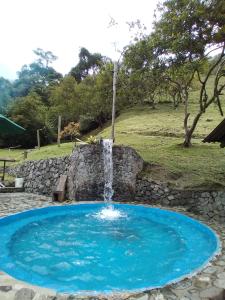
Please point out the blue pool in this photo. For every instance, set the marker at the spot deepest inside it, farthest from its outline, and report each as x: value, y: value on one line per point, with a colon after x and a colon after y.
x: 74, y: 249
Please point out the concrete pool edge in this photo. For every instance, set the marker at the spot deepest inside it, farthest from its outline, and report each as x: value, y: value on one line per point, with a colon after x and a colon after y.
x: 209, y: 283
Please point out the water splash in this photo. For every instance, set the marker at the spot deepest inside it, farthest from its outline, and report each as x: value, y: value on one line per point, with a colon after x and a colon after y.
x: 109, y: 213
x: 108, y: 170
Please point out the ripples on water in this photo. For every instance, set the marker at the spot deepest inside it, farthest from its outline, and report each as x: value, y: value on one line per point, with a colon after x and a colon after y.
x: 106, y: 249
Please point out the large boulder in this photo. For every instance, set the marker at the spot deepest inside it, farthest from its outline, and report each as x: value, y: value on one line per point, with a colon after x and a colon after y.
x: 86, y: 173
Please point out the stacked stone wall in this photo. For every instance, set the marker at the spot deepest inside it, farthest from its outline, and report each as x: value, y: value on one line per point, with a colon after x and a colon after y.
x: 210, y: 204
x: 41, y: 176
x: 86, y: 181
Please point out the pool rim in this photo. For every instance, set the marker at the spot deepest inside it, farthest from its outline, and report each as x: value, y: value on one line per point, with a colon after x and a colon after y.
x: 193, y: 273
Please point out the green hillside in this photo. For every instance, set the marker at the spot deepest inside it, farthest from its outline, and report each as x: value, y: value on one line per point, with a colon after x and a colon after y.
x: 157, y: 135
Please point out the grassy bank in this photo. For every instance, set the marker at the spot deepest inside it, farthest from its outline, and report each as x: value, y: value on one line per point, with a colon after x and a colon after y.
x: 157, y: 135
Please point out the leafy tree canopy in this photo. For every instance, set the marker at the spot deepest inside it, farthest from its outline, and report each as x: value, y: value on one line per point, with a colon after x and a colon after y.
x: 186, y: 29
x: 5, y: 94
x: 88, y: 64
x: 37, y: 76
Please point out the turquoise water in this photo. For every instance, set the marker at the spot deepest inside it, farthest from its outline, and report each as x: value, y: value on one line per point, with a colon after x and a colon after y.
x: 71, y: 250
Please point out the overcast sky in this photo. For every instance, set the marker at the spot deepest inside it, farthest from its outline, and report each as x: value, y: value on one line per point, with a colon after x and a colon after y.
x: 63, y: 26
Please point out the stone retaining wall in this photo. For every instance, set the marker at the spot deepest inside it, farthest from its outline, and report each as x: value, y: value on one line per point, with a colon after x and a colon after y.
x: 41, y: 176
x: 86, y: 181
x: 85, y: 172
x: 210, y: 204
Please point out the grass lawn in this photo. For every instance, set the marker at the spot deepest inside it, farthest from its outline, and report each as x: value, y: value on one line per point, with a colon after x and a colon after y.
x: 35, y: 154
x: 157, y: 135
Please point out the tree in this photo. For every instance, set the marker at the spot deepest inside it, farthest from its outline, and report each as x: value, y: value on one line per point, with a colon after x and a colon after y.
x: 38, y: 76
x: 88, y: 64
x: 65, y: 101
x: 145, y: 76
x: 5, y: 94
x: 186, y: 33
x: 45, y: 57
x: 30, y: 113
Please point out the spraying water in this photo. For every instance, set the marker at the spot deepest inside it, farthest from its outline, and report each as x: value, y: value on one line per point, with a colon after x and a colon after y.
x: 109, y: 212
x: 108, y: 170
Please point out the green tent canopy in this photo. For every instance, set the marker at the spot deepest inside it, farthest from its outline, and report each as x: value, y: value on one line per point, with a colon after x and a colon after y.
x: 8, y: 127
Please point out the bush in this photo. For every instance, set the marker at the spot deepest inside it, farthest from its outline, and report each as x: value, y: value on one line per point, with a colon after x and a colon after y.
x: 87, y: 123
x: 71, y: 131
x: 92, y: 140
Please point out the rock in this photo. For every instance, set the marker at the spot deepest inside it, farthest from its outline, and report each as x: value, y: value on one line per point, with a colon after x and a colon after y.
x: 86, y: 173
x: 211, y: 270
x: 61, y: 297
x: 157, y: 296
x: 141, y: 297
x: 5, y: 288
x: 201, y: 282
x: 212, y: 293
x: 24, y: 294
x: 182, y: 285
x: 7, y: 296
x: 220, y: 283
x: 221, y: 275
x: 220, y: 263
x: 43, y: 297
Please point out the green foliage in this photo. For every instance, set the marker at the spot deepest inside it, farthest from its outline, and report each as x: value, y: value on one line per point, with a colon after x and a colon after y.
x: 156, y: 135
x: 5, y: 94
x: 186, y: 28
x: 88, y: 102
x: 37, y: 77
x: 65, y: 101
x: 92, y: 140
x: 44, y: 57
x: 87, y: 123
x: 158, y: 142
x: 88, y: 64
x: 30, y: 113
x: 175, y: 56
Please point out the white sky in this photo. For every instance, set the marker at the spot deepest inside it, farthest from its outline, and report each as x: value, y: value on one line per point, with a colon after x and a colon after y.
x: 63, y: 26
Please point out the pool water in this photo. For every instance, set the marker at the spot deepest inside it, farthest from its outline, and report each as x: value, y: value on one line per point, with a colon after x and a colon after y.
x: 74, y: 249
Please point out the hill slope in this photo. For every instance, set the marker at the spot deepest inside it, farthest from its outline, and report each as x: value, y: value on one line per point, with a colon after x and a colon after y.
x: 157, y: 135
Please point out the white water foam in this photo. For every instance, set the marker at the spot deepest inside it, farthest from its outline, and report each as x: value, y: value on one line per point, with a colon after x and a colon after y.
x: 109, y: 213
x: 108, y: 169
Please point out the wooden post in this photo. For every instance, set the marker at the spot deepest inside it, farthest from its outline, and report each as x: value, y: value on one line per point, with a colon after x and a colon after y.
x: 25, y: 153
x: 3, y: 174
x: 114, y: 101
x: 59, y: 130
x: 38, y: 139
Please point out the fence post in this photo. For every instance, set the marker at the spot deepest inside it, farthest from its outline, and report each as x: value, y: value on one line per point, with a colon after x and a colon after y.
x: 59, y: 130
x: 114, y: 101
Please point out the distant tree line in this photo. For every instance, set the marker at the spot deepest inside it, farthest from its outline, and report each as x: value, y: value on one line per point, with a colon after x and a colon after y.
x: 184, y: 50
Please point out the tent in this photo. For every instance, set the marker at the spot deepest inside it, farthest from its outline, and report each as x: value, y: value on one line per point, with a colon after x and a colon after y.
x: 217, y: 135
x: 8, y: 127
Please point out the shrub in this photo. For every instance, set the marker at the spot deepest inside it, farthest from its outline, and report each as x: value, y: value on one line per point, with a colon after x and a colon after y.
x: 71, y: 131
x: 87, y: 123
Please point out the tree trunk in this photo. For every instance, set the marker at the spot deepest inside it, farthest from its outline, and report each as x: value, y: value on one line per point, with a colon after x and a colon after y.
x: 187, y: 135
x: 187, y: 140
x: 189, y: 132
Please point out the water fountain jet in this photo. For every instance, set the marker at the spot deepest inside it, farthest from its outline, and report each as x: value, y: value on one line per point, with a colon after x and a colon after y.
x: 108, y: 212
